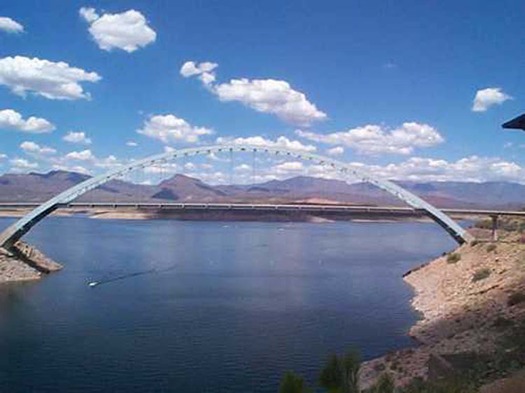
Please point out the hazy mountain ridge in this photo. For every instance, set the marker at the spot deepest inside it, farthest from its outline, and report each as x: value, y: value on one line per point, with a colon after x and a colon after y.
x: 35, y: 187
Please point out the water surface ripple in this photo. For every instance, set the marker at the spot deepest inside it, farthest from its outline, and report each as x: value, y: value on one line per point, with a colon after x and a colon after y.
x: 222, y: 307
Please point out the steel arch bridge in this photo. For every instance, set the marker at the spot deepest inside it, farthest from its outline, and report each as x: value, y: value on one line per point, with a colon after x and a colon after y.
x: 14, y: 232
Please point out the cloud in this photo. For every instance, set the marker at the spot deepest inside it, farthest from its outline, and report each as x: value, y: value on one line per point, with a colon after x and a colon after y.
x: 281, y: 142
x: 419, y: 169
x: 376, y: 139
x: 204, y: 71
x: 45, y: 158
x: 468, y: 169
x: 84, y: 155
x: 56, y: 81
x: 131, y: 144
x: 170, y: 128
x: 12, y: 120
x: 89, y: 14
x: 272, y: 96
x: 77, y: 137
x: 335, y: 151
x: 72, y: 168
x: 35, y: 149
x: 128, y: 30
x: 22, y: 165
x: 189, y: 166
x: 485, y: 98
x: 162, y: 168
x: 243, y: 168
x: 90, y: 162
x: 288, y: 166
x: 10, y: 26
x: 107, y: 163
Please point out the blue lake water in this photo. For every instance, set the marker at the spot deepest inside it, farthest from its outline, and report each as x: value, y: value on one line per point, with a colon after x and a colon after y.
x: 222, y: 307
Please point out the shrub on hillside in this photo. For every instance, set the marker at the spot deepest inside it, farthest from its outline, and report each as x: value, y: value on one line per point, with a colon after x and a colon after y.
x: 453, y: 258
x: 292, y: 383
x: 480, y: 274
x: 491, y: 247
x: 385, y: 384
x: 340, y: 374
x: 516, y: 298
x: 484, y: 224
x: 507, y: 224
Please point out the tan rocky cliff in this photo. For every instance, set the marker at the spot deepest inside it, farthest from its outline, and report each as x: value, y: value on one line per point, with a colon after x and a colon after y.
x: 468, y: 300
x: 25, y: 263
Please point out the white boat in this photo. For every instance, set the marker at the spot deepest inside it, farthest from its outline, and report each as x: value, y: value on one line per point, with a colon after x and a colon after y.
x: 93, y: 284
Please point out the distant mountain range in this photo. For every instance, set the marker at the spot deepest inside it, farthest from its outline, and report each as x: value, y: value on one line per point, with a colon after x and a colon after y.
x: 36, y: 187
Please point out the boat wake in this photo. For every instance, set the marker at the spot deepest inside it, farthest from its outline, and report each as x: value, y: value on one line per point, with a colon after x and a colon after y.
x: 93, y: 284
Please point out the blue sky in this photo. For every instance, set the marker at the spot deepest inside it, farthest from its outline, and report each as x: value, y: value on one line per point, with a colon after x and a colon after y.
x: 389, y: 86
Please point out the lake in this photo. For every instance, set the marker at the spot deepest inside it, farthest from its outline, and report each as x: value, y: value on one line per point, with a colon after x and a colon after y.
x: 206, y: 306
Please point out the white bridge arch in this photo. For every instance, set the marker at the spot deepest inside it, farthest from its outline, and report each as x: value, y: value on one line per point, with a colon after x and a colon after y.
x: 14, y: 232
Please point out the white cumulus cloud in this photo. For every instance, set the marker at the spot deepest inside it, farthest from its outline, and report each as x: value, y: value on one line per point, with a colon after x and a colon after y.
x: 376, y: 139
x: 419, y: 169
x: 128, y: 30
x: 72, y: 168
x: 272, y: 96
x: 53, y: 80
x: 12, y: 120
x: 243, y: 168
x: 336, y: 151
x: 288, y: 166
x: 485, y: 98
x: 22, y: 165
x: 282, y: 142
x: 170, y: 128
x: 109, y: 162
x: 468, y: 169
x: 89, y: 162
x: 204, y: 71
x: 10, y: 26
x: 36, y: 149
x: 77, y: 137
x: 84, y: 155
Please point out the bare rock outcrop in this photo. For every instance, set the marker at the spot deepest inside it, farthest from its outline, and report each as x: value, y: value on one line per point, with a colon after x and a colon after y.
x: 24, y: 262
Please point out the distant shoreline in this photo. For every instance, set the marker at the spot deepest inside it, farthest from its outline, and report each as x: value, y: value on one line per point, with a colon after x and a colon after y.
x: 156, y: 214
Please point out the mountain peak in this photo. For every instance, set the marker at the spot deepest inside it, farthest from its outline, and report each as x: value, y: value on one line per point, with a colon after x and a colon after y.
x: 60, y: 174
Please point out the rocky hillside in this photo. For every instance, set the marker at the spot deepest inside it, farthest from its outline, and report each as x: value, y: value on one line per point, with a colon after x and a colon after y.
x: 472, y: 303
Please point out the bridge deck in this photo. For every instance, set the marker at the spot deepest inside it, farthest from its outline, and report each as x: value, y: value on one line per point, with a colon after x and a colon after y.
x: 264, y: 207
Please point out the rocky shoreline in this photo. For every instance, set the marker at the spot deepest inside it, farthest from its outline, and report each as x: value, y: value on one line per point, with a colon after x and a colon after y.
x: 470, y: 300
x: 133, y: 213
x: 24, y: 262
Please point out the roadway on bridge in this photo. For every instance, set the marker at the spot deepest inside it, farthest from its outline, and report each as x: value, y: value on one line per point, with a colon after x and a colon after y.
x: 307, y: 208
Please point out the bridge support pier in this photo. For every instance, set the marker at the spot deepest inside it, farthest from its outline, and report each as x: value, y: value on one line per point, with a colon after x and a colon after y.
x: 495, y: 219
